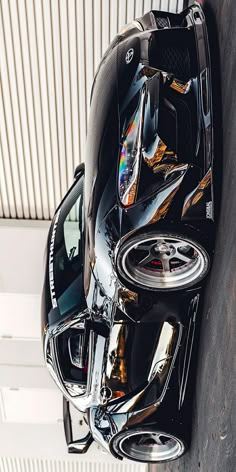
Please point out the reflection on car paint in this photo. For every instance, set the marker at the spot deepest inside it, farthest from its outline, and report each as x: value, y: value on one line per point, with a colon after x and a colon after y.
x: 198, y: 193
x: 130, y: 155
x: 181, y: 87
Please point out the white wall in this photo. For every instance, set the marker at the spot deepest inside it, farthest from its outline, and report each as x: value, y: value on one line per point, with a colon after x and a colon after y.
x: 23, y: 375
x: 22, y: 372
x: 31, y: 427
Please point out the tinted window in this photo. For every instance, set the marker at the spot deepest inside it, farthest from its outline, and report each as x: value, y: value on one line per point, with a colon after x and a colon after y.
x: 66, y: 253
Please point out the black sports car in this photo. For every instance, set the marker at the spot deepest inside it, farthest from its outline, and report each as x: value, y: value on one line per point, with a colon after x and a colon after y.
x: 131, y: 243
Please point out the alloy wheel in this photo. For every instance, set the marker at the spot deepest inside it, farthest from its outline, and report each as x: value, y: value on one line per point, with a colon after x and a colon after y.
x: 149, y: 446
x: 163, y: 262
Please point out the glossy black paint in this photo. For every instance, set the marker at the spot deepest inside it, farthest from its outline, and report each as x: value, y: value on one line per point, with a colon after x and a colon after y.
x: 182, y: 201
x: 173, y: 202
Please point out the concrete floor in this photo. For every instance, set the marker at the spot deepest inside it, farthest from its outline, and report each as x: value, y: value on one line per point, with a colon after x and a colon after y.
x: 214, y: 415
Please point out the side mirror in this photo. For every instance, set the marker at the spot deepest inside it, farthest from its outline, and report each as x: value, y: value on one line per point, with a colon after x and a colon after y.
x: 78, y: 171
x: 81, y: 445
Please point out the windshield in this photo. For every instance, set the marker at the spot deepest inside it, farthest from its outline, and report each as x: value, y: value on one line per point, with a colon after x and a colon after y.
x: 65, y: 256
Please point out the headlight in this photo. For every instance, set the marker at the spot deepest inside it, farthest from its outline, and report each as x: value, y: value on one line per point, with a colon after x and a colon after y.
x: 130, y: 154
x: 66, y: 374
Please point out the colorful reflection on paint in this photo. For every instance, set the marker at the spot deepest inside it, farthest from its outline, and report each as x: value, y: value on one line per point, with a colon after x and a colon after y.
x: 130, y: 156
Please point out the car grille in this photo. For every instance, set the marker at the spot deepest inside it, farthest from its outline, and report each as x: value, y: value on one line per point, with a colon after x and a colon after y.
x: 162, y: 22
x: 175, y: 60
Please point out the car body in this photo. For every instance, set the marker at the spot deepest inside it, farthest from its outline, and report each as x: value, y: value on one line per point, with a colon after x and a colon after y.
x: 131, y: 244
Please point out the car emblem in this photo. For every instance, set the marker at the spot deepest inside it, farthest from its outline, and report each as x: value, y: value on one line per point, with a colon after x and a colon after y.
x: 106, y: 394
x: 129, y: 55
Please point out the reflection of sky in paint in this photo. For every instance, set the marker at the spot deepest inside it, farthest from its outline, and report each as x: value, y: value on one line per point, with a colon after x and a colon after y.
x: 135, y: 87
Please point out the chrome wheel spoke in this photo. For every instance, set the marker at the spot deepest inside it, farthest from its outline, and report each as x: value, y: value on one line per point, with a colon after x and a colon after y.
x: 183, y: 257
x: 180, y: 244
x: 146, y: 260
x: 157, y: 439
x: 143, y: 247
x: 165, y: 264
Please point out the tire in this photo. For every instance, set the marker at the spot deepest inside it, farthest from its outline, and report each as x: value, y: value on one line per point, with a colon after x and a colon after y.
x: 162, y: 260
x: 148, y: 445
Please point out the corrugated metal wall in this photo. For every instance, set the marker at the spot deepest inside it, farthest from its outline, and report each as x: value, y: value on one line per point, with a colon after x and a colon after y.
x: 50, y: 50
x: 17, y: 464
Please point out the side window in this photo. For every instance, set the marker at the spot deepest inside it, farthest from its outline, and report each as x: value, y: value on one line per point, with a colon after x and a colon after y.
x: 72, y: 230
x: 68, y: 251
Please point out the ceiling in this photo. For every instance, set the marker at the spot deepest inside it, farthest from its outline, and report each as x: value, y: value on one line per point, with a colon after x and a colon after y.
x: 49, y: 54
